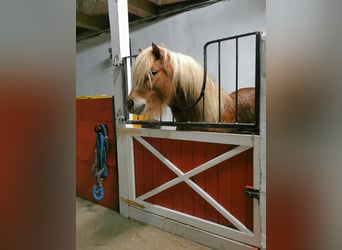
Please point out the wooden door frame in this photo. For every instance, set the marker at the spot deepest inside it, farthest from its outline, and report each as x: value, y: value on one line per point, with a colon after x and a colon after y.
x: 137, y: 208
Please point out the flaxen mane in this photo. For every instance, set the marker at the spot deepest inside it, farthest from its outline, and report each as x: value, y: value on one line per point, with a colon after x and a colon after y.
x: 187, y: 78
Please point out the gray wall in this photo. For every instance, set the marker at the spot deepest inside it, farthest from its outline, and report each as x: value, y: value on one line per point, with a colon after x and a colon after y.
x: 188, y: 32
x: 94, y: 73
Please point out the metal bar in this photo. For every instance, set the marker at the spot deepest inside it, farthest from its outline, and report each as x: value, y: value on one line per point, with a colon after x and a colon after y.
x: 203, y: 103
x: 257, y: 81
x: 236, y: 77
x: 130, y: 52
x: 246, y: 126
x: 115, y: 149
x: 230, y: 38
x: 219, y: 77
x: 125, y: 86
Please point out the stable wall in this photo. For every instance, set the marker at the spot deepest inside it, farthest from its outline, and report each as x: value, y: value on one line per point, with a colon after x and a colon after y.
x: 186, y: 33
x: 189, y: 31
x: 94, y: 73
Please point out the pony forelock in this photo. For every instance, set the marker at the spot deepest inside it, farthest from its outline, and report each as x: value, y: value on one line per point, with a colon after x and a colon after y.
x: 141, y: 68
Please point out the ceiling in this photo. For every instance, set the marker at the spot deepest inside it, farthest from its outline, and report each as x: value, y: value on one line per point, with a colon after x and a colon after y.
x: 92, y: 15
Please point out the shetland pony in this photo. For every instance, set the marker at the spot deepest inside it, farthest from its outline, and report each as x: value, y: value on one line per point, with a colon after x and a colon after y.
x: 164, y: 78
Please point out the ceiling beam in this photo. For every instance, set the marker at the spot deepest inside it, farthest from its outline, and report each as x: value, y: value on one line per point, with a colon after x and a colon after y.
x: 95, y: 23
x: 141, y: 8
x: 163, y: 2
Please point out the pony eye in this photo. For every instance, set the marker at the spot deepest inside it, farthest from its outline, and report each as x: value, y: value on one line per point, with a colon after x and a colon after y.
x: 153, y: 73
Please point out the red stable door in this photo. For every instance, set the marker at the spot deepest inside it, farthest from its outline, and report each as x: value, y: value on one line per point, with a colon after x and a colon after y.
x: 90, y: 112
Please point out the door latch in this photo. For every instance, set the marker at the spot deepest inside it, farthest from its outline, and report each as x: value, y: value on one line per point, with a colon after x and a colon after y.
x: 117, y: 62
x: 251, y: 192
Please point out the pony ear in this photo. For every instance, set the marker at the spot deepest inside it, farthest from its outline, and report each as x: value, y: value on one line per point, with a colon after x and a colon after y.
x: 156, y: 51
x: 139, y: 50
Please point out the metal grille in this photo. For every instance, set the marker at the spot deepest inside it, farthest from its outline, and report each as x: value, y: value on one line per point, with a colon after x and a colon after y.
x: 215, y: 48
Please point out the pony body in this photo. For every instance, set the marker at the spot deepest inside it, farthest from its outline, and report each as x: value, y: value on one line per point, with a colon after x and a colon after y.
x: 164, y: 78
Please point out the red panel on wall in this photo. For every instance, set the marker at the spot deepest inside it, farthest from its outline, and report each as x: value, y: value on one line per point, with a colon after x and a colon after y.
x: 91, y: 112
x: 225, y: 182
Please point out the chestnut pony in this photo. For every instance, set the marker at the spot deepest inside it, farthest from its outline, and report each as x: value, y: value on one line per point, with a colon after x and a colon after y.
x: 165, y: 78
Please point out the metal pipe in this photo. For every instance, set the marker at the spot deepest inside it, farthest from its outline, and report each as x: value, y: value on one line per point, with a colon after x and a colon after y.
x: 219, y: 77
x: 236, y: 77
x: 257, y: 81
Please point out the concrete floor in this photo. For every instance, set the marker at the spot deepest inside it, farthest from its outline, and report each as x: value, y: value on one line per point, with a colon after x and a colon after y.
x: 100, y: 228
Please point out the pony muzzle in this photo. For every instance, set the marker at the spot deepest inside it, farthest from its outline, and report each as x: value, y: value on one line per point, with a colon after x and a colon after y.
x: 136, y: 106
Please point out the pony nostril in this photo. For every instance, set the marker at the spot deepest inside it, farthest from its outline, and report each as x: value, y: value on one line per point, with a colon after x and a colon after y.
x: 130, y: 103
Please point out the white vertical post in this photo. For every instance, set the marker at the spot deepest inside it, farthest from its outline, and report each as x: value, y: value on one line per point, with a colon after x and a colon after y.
x: 262, y: 151
x: 119, y: 31
x: 257, y: 219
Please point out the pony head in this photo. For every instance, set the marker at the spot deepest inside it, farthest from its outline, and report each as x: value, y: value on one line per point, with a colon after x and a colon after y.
x: 152, y: 86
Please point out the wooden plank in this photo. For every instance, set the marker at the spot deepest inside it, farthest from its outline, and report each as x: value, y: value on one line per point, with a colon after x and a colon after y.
x: 198, y: 158
x: 90, y: 109
x: 221, y: 138
x: 224, y: 183
x: 166, y: 148
x: 176, y: 158
x: 141, y: 8
x: 187, y: 165
x: 196, y: 234
x: 190, y: 220
x: 156, y: 167
x: 148, y: 173
x: 164, y: 2
x: 95, y: 23
x: 249, y: 181
x: 138, y: 168
x: 211, y: 181
x: 238, y: 183
x: 92, y: 7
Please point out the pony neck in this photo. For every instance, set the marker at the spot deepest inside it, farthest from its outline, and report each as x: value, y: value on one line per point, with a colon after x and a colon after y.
x: 182, y: 109
x: 187, y: 80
